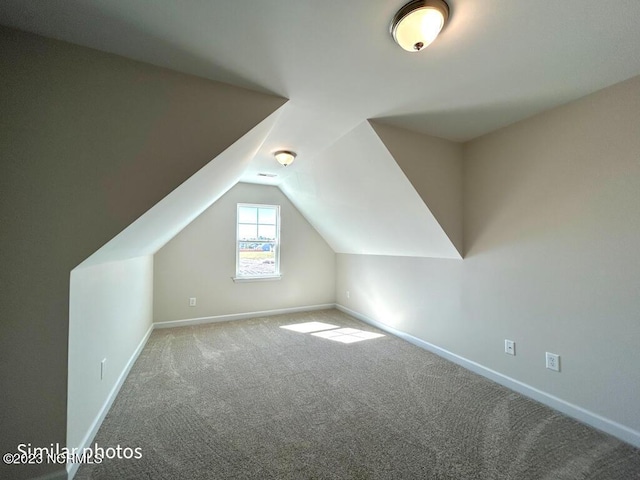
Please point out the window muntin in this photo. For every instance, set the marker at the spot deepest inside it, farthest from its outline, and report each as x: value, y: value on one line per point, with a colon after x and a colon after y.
x: 257, y: 241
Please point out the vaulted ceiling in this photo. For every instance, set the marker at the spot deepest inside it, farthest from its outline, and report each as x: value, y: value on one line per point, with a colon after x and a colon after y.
x: 355, y: 96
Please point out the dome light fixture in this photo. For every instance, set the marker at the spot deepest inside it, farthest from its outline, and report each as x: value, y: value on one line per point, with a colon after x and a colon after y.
x: 285, y: 157
x: 418, y: 23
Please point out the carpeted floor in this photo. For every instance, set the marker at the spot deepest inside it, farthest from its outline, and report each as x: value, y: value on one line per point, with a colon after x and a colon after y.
x: 247, y: 399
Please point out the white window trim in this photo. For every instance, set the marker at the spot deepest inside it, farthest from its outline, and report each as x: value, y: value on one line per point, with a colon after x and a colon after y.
x: 258, y: 278
x: 265, y: 278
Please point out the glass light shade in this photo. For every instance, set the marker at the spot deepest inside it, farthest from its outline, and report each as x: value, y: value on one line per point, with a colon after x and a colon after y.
x: 418, y: 24
x: 284, y: 157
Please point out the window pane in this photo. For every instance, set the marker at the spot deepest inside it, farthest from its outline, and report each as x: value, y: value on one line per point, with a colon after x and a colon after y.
x: 258, y: 255
x: 267, y: 232
x: 256, y: 263
x: 247, y: 215
x: 247, y: 232
x: 267, y: 215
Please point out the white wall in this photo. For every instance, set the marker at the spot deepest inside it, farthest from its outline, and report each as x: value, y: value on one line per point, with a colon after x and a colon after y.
x: 200, y: 261
x: 420, y: 296
x: 552, y: 229
x: 110, y: 312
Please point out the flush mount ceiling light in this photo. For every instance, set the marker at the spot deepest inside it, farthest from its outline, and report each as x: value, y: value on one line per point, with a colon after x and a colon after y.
x: 418, y: 23
x: 285, y: 157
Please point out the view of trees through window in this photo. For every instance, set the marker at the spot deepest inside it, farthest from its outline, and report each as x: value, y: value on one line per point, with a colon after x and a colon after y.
x: 258, y: 240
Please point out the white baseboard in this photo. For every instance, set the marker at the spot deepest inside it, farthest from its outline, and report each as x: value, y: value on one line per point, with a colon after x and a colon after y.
x: 599, y: 422
x: 72, y: 468
x: 240, y: 316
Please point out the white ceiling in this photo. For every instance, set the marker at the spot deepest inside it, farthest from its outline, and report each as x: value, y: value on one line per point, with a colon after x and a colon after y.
x: 497, y: 61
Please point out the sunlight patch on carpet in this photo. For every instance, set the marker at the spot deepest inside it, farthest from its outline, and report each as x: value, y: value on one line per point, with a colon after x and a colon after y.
x: 309, y: 327
x: 347, y: 335
x: 332, y: 332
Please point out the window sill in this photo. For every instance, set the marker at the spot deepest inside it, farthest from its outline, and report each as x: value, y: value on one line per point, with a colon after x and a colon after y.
x: 270, y: 278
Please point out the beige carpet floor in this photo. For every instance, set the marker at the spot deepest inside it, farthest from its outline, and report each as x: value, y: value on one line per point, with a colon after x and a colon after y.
x: 248, y: 399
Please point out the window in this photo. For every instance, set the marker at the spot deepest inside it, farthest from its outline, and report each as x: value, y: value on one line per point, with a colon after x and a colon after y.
x: 258, y: 242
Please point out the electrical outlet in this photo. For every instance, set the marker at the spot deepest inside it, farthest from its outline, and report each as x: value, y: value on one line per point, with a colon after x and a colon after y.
x: 510, y: 347
x: 553, y: 361
x: 192, y: 302
x: 103, y: 366
x: 348, y: 294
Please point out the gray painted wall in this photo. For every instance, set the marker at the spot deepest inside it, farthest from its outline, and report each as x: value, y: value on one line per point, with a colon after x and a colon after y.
x: 552, y: 229
x: 200, y: 261
x: 89, y: 141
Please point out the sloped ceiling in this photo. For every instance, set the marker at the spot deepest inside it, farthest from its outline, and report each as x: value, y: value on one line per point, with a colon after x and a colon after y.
x: 360, y: 201
x: 497, y: 62
x: 163, y: 221
x: 434, y: 168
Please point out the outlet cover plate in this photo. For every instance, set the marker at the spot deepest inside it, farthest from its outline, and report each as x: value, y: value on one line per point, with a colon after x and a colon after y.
x: 552, y: 361
x: 510, y: 347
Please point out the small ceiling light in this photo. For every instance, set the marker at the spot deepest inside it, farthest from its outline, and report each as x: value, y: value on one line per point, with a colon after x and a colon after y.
x: 418, y: 23
x: 285, y: 157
